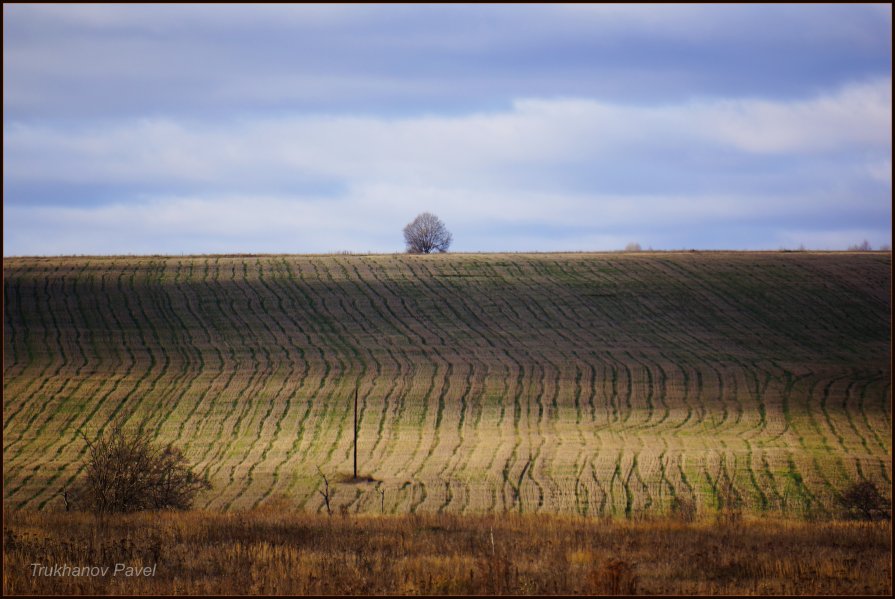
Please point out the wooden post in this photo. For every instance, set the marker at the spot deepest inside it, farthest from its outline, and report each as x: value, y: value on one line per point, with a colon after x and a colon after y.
x: 355, y: 433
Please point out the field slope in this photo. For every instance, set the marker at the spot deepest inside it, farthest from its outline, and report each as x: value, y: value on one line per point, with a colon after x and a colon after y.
x: 588, y: 383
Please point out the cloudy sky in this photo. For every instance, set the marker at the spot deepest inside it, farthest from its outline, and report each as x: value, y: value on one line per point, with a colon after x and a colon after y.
x: 206, y: 129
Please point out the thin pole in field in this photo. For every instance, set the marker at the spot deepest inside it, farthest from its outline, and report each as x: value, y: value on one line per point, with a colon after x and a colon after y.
x: 355, y: 432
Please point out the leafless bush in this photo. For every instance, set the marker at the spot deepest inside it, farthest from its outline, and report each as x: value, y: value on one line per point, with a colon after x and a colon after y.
x: 862, y: 247
x: 633, y: 247
x: 863, y: 501
x: 127, y: 472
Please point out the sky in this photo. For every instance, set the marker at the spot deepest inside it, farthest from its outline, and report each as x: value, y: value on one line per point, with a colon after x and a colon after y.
x: 194, y: 129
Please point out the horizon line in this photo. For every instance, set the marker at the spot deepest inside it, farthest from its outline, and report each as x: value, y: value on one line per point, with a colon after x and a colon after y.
x: 486, y: 253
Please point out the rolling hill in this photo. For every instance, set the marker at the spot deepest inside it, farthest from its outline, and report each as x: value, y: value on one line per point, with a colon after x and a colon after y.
x: 589, y: 383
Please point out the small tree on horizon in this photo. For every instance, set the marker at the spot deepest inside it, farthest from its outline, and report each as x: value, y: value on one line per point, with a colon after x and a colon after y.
x: 425, y: 234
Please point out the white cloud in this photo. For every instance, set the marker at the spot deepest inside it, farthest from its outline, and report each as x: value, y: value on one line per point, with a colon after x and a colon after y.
x: 370, y: 219
x: 856, y: 115
x: 535, y: 133
x: 501, y: 169
x: 93, y: 61
x: 189, y: 224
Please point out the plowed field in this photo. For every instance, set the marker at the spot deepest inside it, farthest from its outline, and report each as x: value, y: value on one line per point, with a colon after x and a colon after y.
x: 589, y: 383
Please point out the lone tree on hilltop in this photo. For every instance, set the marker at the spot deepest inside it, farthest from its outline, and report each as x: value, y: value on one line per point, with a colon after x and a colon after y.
x: 425, y: 234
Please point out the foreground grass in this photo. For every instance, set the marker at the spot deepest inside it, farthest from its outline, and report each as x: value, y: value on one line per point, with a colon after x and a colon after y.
x: 276, y: 551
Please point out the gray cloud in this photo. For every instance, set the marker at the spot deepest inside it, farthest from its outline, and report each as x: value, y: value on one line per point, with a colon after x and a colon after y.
x: 93, y: 61
x: 153, y: 129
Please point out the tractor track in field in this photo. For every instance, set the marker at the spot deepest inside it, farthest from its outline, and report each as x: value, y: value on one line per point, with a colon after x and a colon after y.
x: 581, y: 383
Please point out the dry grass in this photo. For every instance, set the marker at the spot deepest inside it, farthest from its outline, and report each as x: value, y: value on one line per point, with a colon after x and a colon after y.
x: 279, y: 551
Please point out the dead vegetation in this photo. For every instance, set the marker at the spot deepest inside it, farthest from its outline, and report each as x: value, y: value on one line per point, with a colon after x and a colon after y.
x: 279, y: 551
x: 125, y: 471
x: 864, y: 501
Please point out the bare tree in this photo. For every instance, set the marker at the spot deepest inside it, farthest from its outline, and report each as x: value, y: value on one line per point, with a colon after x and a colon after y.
x: 862, y: 247
x: 425, y: 234
x: 863, y: 501
x: 325, y: 493
x: 127, y: 472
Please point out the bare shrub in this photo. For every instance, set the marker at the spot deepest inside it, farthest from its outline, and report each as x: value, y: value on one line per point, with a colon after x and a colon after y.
x: 127, y: 472
x: 863, y: 501
x: 633, y: 247
x: 862, y: 247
